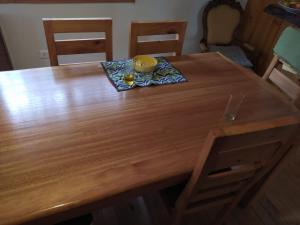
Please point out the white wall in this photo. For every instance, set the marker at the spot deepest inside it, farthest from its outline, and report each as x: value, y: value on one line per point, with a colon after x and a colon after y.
x: 24, y: 34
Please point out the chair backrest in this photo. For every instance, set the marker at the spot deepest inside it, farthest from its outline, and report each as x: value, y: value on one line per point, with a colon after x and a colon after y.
x: 287, y: 50
x: 287, y: 47
x: 78, y: 46
x: 139, y: 29
x: 221, y: 19
x: 233, y: 159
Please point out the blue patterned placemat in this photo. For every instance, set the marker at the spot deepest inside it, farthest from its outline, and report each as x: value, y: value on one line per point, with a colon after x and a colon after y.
x: 164, y: 73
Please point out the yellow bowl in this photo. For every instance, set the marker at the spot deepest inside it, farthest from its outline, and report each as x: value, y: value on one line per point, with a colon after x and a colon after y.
x: 144, y: 63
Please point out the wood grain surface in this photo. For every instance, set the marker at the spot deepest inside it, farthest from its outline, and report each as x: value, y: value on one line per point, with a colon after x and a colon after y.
x: 69, y: 140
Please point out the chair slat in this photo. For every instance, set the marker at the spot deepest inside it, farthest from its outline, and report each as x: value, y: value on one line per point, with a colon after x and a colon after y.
x: 155, y: 47
x: 84, y: 46
x: 259, y: 138
x: 157, y: 28
x: 285, y: 84
x: 209, y: 204
x: 242, y: 156
x: 78, y: 25
x: 68, y: 47
x: 216, y: 192
x: 234, y: 175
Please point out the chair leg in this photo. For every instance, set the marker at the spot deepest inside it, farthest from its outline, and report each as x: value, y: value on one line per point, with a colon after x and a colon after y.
x: 157, y: 210
x: 258, y: 189
x: 270, y: 68
x: 223, y: 215
x: 253, y: 193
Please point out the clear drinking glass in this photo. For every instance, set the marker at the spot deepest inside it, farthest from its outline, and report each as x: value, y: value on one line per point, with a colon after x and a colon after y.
x: 233, y: 106
x: 129, y: 76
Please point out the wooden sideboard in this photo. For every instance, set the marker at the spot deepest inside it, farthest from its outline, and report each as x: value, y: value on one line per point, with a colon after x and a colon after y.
x: 261, y: 31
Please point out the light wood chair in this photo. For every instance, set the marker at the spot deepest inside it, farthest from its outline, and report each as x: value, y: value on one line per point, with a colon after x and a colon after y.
x: 287, y: 51
x: 78, y: 46
x: 232, y: 160
x: 156, y: 28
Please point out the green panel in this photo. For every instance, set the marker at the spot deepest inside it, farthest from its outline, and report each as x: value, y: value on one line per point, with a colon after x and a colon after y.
x: 288, y: 47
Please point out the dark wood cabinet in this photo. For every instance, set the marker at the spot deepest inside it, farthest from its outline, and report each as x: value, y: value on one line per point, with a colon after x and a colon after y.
x: 261, y: 31
x: 5, y: 62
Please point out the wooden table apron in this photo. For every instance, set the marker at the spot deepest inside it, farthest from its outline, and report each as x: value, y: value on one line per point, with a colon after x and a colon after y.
x: 69, y: 142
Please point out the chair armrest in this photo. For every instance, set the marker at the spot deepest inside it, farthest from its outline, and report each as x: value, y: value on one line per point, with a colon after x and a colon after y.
x: 248, y: 47
x: 250, y: 51
x: 244, y: 45
x: 203, y: 47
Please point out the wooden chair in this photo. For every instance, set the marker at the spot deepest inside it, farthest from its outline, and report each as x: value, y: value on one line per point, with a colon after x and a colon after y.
x: 287, y: 51
x: 221, y: 22
x: 156, y: 28
x: 78, y: 46
x: 232, y: 160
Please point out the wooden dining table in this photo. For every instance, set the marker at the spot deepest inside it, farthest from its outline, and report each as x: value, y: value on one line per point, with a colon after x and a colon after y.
x: 70, y: 143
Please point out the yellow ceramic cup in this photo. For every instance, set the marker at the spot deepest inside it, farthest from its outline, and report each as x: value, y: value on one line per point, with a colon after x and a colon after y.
x: 144, y: 63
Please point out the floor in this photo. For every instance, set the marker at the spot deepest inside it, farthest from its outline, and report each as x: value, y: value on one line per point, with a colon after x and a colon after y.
x: 279, y: 205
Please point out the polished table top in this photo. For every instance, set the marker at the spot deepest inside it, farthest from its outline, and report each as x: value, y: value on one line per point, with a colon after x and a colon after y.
x: 68, y: 139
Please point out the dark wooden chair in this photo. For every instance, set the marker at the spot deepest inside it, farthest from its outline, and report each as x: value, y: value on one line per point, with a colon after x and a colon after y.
x: 78, y: 46
x: 232, y: 160
x: 221, y: 22
x: 139, y: 29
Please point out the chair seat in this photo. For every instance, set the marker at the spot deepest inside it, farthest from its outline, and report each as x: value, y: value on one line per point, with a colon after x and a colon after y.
x: 235, y: 53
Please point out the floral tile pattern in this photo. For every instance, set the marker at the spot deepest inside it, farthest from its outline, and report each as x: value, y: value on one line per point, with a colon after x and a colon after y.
x: 164, y: 73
